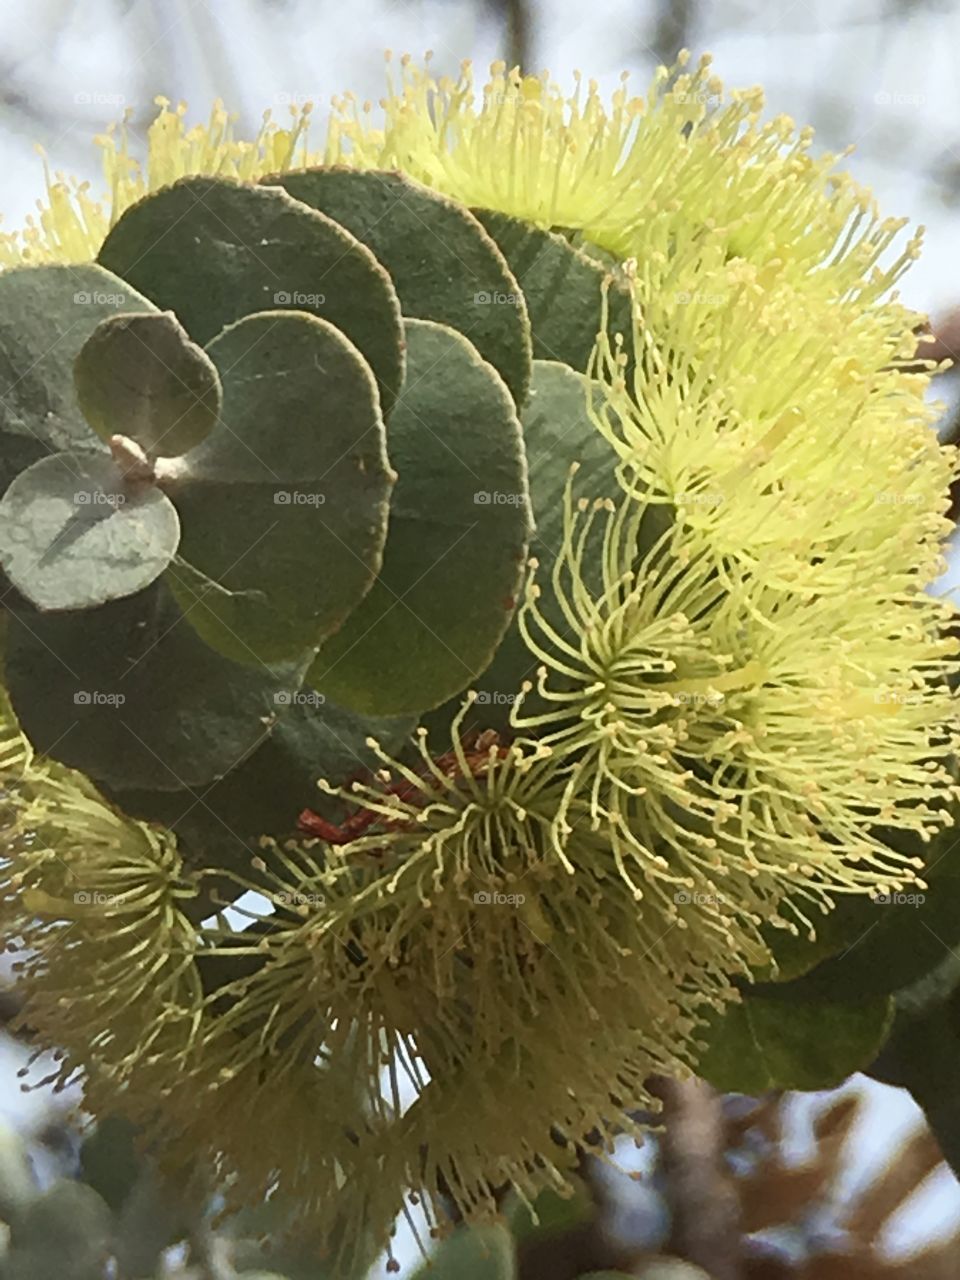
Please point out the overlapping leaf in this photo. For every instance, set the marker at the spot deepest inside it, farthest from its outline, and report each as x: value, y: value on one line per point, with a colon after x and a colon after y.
x: 563, y: 287
x: 456, y: 542
x: 473, y: 1253
x: 557, y: 432
x: 47, y: 313
x: 213, y: 251
x: 264, y: 794
x: 140, y: 376
x: 130, y: 694
x: 75, y: 532
x: 444, y: 266
x: 774, y: 1041
x: 284, y: 506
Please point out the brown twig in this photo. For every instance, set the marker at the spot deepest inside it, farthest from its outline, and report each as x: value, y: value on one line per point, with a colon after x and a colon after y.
x: 518, y: 36
x: 702, y: 1198
x: 672, y: 29
x: 940, y: 341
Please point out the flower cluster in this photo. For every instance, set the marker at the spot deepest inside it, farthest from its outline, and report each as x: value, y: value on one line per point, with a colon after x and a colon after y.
x: 95, y: 905
x: 741, y: 682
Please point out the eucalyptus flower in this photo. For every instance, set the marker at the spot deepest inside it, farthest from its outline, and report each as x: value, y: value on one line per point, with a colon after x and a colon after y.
x: 740, y: 743
x: 93, y: 905
x: 741, y: 692
x: 429, y: 1005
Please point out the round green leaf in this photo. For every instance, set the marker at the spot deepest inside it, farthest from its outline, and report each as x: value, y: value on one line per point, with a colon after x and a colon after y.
x: 67, y: 1220
x: 130, y: 694
x: 46, y: 315
x: 557, y: 432
x: 562, y: 286
x: 74, y: 533
x: 922, y: 1051
x: 870, y: 946
x: 473, y: 1253
x: 444, y: 265
x: 214, y: 250
x: 284, y: 507
x: 140, y: 376
x: 549, y: 1214
x: 110, y: 1160
x: 268, y: 789
x: 771, y: 1042
x: 456, y: 543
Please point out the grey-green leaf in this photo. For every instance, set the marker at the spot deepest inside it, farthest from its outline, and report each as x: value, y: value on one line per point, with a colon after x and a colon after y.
x: 473, y: 1253
x: 563, y: 289
x: 65, y: 1234
x: 110, y: 1160
x: 768, y: 1042
x: 558, y: 432
x: 214, y: 250
x: 266, y: 792
x: 130, y: 694
x: 140, y: 376
x: 444, y: 265
x: 922, y: 1051
x: 456, y: 543
x: 284, y: 507
x: 46, y: 315
x: 74, y: 533
x: 874, y: 946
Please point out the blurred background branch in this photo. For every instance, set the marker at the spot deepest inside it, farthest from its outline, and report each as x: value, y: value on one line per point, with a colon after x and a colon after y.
x: 674, y: 24
x: 518, y: 34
